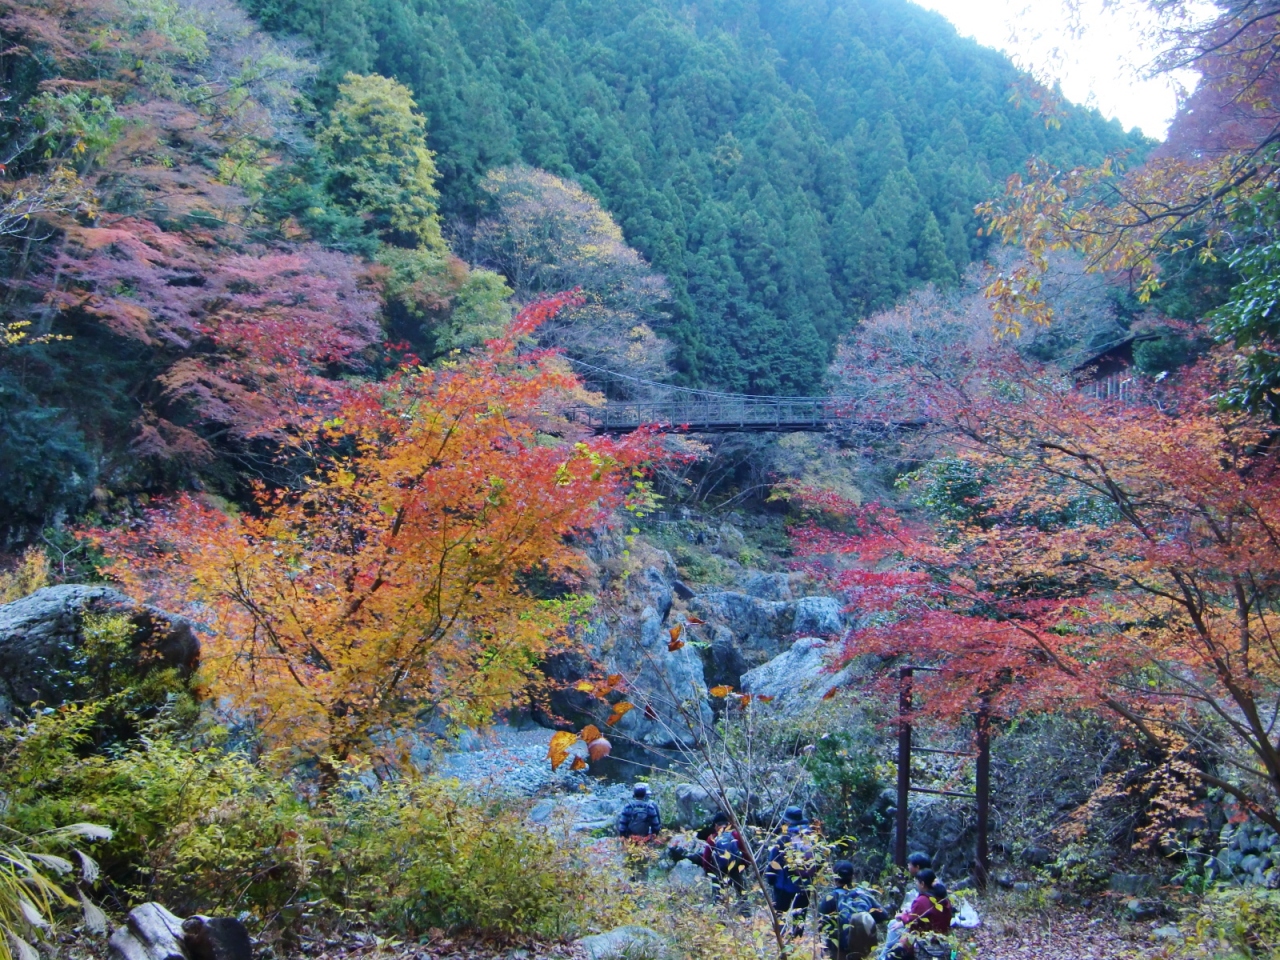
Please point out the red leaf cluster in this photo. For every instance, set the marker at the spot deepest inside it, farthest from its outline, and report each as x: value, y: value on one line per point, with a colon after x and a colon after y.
x: 256, y: 340
x: 1121, y: 556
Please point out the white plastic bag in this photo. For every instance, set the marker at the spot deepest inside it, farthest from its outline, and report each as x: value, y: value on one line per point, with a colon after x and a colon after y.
x: 966, y: 917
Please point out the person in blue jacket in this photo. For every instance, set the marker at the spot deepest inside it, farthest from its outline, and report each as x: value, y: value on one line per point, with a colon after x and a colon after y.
x: 793, y: 864
x: 640, y: 817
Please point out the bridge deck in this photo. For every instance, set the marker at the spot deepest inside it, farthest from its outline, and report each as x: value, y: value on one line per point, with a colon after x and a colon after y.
x: 728, y: 415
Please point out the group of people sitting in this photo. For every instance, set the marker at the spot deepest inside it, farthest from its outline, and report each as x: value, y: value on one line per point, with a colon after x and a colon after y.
x: 849, y: 913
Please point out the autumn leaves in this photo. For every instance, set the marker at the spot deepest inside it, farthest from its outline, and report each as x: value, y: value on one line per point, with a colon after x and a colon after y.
x: 393, y: 581
x: 562, y: 742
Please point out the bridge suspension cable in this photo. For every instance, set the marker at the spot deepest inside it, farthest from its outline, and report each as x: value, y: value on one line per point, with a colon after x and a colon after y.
x: 704, y: 411
x: 675, y: 388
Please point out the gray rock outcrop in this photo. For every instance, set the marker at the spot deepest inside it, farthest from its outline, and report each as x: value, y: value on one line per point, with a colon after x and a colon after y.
x: 43, y: 652
x: 767, y: 586
x: 632, y: 942
x: 798, y: 678
x: 668, y: 686
x: 1250, y: 854
x: 630, y: 636
x: 759, y: 628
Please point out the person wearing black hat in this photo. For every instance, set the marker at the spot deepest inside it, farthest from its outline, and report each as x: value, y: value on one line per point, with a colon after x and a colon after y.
x: 849, y: 915
x: 640, y: 817
x: 793, y: 864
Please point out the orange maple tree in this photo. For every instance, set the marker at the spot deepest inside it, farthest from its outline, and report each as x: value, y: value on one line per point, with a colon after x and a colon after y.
x: 395, y: 579
x: 1084, y: 554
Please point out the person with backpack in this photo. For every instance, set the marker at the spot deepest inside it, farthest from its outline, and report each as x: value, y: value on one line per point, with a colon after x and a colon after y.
x: 724, y: 857
x: 793, y: 864
x: 849, y: 916
x: 640, y: 817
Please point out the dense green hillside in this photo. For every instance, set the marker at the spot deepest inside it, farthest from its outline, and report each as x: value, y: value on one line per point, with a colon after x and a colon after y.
x: 790, y: 165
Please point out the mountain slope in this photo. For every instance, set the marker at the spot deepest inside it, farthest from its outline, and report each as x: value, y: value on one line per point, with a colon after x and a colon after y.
x: 790, y: 165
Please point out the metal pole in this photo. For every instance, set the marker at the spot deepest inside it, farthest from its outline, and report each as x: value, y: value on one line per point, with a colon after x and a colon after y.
x: 983, y: 785
x: 904, y: 766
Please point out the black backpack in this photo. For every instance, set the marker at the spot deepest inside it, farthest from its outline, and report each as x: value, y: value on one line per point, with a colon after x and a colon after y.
x: 858, y: 931
x: 933, y: 948
x: 727, y: 851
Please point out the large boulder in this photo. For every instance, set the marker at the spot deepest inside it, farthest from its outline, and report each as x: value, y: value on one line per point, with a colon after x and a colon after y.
x: 631, y: 942
x: 757, y: 626
x: 817, y: 617
x: 767, y: 586
x: 722, y: 662
x: 760, y: 627
x: 798, y: 678
x: 150, y: 933
x: 44, y: 655
x: 668, y: 687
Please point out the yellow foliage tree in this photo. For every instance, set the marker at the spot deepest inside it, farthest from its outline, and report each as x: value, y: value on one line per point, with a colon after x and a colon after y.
x: 396, y: 579
x: 378, y: 142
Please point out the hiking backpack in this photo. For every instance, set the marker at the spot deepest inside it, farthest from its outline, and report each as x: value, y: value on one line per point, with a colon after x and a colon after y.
x: 858, y: 931
x: 800, y: 856
x: 727, y: 851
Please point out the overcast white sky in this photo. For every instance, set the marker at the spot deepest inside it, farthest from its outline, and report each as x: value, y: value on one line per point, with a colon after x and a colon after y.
x: 1100, y: 67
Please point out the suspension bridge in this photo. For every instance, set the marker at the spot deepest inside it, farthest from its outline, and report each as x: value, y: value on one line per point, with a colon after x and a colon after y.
x: 728, y: 414
x: 703, y: 411
x: 1105, y: 375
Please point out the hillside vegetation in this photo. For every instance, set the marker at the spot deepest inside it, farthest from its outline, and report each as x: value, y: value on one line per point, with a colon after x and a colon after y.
x: 321, y: 608
x: 789, y: 166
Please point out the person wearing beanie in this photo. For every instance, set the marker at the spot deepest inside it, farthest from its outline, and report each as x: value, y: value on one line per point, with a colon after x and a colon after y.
x: 849, y: 915
x: 640, y: 817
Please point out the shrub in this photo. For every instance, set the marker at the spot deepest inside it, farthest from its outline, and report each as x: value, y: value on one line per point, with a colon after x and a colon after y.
x: 1237, y: 923
x: 204, y: 829
x: 420, y: 854
x: 29, y: 575
x: 195, y: 826
x: 847, y: 785
x: 32, y: 877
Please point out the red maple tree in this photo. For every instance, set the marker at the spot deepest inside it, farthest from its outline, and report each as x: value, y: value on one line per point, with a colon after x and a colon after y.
x: 1083, y: 553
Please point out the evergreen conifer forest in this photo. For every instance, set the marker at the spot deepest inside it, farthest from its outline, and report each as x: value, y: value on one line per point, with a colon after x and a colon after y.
x: 789, y: 167
x: 633, y: 480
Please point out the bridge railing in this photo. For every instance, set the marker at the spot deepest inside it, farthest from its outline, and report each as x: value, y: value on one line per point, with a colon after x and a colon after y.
x: 728, y: 414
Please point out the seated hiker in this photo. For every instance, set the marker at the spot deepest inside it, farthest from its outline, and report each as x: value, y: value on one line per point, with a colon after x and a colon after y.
x: 640, y: 817
x: 915, y: 863
x: 848, y: 915
x: 930, y: 913
x: 793, y: 864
